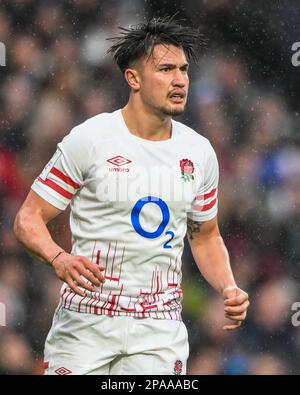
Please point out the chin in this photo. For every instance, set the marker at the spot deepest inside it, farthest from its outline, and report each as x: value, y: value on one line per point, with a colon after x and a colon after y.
x: 173, y: 111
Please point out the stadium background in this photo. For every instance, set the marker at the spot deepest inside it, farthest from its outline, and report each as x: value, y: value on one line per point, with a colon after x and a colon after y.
x: 244, y: 97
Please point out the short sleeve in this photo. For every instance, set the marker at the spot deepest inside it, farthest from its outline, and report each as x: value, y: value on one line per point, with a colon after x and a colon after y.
x: 63, y: 175
x: 205, y: 204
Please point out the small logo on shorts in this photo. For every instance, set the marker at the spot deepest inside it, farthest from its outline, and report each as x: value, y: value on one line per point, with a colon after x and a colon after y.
x: 178, y: 367
x: 62, y: 371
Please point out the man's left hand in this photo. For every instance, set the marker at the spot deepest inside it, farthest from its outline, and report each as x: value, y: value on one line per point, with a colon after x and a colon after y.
x: 236, y: 303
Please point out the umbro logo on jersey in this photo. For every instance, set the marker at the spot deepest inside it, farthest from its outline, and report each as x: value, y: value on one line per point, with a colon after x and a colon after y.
x: 118, y: 161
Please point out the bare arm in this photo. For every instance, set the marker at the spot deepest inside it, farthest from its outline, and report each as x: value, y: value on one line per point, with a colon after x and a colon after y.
x: 212, y: 259
x: 210, y: 253
x: 31, y: 230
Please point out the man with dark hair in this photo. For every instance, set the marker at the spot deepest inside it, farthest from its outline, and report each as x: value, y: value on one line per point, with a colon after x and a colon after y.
x: 136, y: 180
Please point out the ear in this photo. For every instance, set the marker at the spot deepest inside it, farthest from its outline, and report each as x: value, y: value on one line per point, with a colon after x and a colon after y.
x: 133, y: 79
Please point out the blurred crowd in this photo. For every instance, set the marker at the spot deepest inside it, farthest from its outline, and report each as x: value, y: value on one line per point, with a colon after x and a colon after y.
x: 58, y: 74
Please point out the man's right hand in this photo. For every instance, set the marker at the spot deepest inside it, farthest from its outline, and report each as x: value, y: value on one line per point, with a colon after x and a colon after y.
x: 31, y: 230
x: 77, y: 271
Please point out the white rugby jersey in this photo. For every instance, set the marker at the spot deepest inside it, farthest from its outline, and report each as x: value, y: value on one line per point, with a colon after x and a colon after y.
x: 130, y: 199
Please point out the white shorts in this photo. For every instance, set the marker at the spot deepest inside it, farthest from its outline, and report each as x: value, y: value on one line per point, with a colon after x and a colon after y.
x: 80, y: 343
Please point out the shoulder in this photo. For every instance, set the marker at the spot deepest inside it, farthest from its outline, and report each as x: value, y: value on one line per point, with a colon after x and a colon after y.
x: 94, y: 128
x: 80, y: 142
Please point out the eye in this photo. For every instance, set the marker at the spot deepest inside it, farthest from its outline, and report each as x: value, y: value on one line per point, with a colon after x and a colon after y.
x: 165, y: 69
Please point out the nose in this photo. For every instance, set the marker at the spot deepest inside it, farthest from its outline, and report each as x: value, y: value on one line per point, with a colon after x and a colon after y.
x: 179, y: 79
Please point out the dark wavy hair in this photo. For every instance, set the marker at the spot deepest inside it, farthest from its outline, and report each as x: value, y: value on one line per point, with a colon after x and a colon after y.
x: 137, y: 41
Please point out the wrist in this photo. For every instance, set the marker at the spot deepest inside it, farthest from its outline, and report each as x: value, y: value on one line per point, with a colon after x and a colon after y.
x: 55, y: 257
x: 228, y: 287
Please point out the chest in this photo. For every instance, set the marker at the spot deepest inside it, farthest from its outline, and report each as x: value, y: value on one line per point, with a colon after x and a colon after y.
x: 121, y: 175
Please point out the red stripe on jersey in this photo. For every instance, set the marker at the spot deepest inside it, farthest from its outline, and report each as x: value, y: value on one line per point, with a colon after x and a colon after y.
x: 98, y: 257
x: 70, y: 303
x: 64, y: 178
x: 154, y: 306
x: 79, y: 305
x: 113, y: 261
x: 66, y: 298
x: 112, y: 304
x: 205, y: 207
x: 112, y: 278
x: 209, y: 194
x: 57, y: 188
x: 118, y: 298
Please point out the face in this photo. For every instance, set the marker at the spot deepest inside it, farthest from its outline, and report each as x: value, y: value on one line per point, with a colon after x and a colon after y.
x: 164, y: 80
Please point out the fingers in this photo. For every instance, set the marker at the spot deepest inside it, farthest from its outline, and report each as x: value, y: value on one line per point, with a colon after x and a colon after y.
x: 90, y: 276
x: 237, y: 321
x: 236, y: 310
x: 230, y: 327
x: 82, y: 270
x: 235, y: 307
x: 74, y: 287
x: 95, y: 270
x: 86, y: 275
x: 237, y: 300
x: 240, y: 317
x: 83, y: 283
x: 78, y: 271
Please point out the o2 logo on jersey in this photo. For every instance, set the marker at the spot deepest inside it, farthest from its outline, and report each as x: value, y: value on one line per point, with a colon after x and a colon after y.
x: 135, y: 219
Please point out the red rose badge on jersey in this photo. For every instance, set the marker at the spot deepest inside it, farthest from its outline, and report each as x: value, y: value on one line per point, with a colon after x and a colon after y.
x: 187, y: 169
x: 178, y: 367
